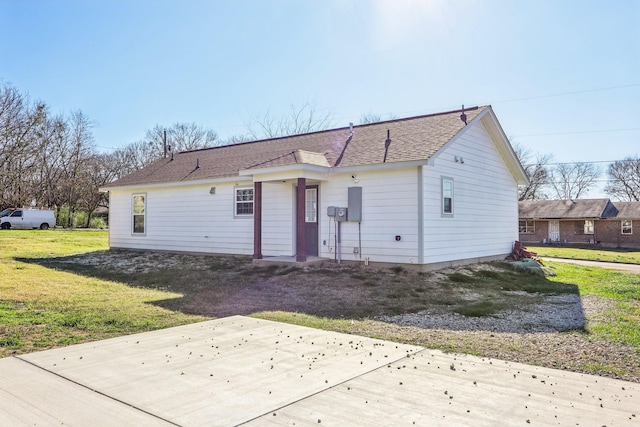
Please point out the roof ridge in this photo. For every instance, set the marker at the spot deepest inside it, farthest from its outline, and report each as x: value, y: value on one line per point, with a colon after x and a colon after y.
x: 382, y: 122
x: 422, y: 116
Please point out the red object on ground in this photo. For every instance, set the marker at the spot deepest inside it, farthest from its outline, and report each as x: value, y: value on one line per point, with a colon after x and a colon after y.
x: 519, y: 253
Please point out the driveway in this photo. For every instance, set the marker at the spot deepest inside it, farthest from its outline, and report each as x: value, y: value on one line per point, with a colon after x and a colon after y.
x: 633, y: 268
x: 245, y: 371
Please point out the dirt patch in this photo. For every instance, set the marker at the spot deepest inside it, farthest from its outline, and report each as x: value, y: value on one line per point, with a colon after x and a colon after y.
x: 223, y: 286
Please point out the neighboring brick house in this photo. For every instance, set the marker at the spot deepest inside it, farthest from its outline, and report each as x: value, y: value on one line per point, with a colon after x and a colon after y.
x: 580, y: 222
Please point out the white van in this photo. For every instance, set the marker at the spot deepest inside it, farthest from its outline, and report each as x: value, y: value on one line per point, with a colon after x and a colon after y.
x: 27, y: 219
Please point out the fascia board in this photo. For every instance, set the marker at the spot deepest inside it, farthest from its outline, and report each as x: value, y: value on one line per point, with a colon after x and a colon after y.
x: 278, y: 173
x: 174, y: 184
x: 494, y: 128
x: 309, y: 169
x: 379, y: 166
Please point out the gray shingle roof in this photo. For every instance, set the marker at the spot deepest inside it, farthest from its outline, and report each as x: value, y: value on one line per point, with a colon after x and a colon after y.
x: 412, y: 139
x: 566, y: 209
x: 628, y: 210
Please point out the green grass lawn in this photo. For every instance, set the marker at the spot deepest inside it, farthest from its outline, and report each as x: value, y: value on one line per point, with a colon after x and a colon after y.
x: 46, y: 303
x: 629, y: 256
x: 620, y: 324
x: 41, y: 308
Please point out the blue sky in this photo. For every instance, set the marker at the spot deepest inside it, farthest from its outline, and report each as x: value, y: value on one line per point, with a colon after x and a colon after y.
x: 563, y: 76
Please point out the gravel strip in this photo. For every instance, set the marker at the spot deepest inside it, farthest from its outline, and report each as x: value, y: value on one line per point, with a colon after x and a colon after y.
x: 553, y: 335
x: 555, y: 313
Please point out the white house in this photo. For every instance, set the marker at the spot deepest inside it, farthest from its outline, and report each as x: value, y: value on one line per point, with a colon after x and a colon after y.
x: 433, y: 190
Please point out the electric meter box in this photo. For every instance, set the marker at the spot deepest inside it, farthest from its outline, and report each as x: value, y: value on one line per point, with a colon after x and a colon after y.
x: 341, y: 214
x: 331, y: 210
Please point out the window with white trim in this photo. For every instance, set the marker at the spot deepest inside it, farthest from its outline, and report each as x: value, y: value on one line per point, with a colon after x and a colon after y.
x: 139, y: 208
x: 527, y: 227
x: 447, y: 196
x: 311, y: 205
x: 243, y: 201
x: 626, y: 227
x: 588, y: 226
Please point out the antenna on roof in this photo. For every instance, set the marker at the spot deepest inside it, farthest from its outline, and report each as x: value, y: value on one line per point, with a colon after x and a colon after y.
x: 463, y: 116
x: 197, y: 163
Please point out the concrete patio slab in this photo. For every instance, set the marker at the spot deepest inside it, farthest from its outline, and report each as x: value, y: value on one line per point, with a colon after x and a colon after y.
x: 222, y: 372
x: 30, y: 396
x: 245, y: 371
x: 431, y: 388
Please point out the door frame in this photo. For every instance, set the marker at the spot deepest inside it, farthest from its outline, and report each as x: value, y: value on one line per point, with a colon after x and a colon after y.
x: 556, y: 223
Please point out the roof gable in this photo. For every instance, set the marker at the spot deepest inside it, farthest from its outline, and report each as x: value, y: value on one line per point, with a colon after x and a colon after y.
x: 416, y: 138
x: 628, y: 210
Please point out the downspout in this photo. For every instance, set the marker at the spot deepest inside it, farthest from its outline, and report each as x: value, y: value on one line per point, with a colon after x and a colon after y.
x: 339, y: 243
x: 335, y: 240
x: 421, y: 214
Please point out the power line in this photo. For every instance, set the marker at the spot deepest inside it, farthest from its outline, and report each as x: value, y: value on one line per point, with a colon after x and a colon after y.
x: 575, y: 132
x: 573, y: 163
x: 566, y: 93
x: 529, y: 98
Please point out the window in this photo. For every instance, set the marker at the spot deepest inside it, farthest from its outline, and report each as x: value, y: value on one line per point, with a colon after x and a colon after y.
x: 588, y: 226
x: 627, y: 226
x: 447, y: 196
x: 244, y: 202
x: 311, y: 205
x: 139, y: 209
x: 527, y: 227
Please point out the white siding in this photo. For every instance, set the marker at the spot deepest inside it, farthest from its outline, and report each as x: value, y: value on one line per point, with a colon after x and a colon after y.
x: 389, y: 209
x: 183, y: 219
x: 278, y: 219
x: 190, y: 219
x: 485, y: 220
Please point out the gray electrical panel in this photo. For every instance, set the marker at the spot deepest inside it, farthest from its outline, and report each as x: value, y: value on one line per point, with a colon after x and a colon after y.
x: 331, y: 210
x: 355, y: 204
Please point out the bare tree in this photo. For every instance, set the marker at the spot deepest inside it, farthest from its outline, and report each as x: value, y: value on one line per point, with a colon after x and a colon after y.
x: 182, y: 137
x: 237, y: 139
x: 79, y: 148
x: 47, y: 188
x: 98, y: 170
x: 624, y: 179
x: 370, y: 118
x: 19, y: 119
x: 375, y: 118
x: 297, y: 120
x: 126, y: 160
x: 570, y: 181
x: 47, y: 161
x: 537, y: 170
x: 139, y: 154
